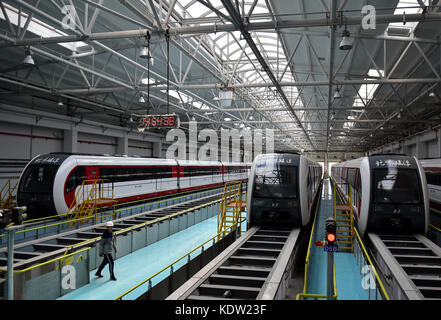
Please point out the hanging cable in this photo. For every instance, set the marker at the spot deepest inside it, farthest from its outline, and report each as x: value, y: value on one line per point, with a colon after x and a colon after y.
x: 148, y: 71
x: 167, y: 37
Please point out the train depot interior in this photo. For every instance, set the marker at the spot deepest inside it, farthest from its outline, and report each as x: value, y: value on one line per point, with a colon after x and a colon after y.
x: 220, y: 150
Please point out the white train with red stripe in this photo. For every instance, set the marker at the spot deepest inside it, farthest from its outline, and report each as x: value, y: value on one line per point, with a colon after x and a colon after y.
x: 389, y: 193
x: 432, y: 169
x: 48, y: 184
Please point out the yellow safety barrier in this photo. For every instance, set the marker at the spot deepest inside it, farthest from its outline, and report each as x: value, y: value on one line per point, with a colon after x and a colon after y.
x: 119, y: 232
x: 174, y: 262
x: 366, y: 255
x: 104, y: 216
x: 320, y: 296
x: 308, y: 254
x: 436, y: 228
x: 47, y: 262
x: 305, y: 285
x: 7, y: 196
x: 344, y: 219
x: 128, y: 203
x: 383, y: 290
x: 230, y: 208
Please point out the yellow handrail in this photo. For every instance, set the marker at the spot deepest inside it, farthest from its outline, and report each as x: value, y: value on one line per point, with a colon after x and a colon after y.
x: 105, y: 216
x: 369, y: 260
x: 372, y: 265
x: 305, y: 289
x: 173, y: 263
x: 436, y: 228
x: 435, y: 210
x: 128, y: 203
x: 124, y: 230
x: 47, y: 262
x: 308, y: 253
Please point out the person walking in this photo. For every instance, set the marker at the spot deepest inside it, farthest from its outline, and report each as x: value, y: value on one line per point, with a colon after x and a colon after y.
x: 107, y: 243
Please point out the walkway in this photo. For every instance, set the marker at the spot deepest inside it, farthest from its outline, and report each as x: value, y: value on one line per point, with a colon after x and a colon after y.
x: 139, y: 265
x: 349, y: 279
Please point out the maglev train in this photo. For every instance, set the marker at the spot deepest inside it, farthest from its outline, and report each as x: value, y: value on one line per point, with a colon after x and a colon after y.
x: 432, y: 169
x: 48, y: 183
x: 281, y: 190
x: 389, y: 193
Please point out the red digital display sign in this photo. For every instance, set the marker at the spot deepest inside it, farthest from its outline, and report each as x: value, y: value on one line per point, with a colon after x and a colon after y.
x: 159, y: 121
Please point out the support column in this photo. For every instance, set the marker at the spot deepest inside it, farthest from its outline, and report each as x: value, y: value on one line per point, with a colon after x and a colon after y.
x: 439, y: 142
x: 70, y: 143
x: 157, y: 149
x: 123, y: 144
x: 421, y: 149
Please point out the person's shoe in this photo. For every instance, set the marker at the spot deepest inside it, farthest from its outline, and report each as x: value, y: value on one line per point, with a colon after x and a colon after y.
x: 113, y: 278
x: 98, y: 275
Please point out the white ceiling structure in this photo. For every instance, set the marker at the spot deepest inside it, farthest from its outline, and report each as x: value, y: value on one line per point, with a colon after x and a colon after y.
x: 281, y: 58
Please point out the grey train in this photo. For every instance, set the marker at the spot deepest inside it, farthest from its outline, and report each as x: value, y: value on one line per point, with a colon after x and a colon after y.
x: 389, y: 193
x: 281, y: 190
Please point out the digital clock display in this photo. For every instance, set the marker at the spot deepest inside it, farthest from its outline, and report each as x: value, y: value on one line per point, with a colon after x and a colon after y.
x: 159, y: 121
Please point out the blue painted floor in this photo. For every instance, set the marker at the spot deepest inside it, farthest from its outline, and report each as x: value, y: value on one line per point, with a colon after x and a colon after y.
x: 141, y: 264
x: 349, y: 279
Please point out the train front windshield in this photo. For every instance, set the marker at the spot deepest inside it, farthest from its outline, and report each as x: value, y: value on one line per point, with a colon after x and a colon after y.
x: 38, y: 179
x: 396, y: 186
x: 273, y: 180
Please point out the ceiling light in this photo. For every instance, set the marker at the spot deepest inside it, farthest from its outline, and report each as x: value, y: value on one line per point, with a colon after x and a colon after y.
x: 337, y: 94
x: 28, y: 60
x: 399, y: 116
x: 144, y: 54
x: 60, y: 103
x: 141, y: 99
x: 432, y: 94
x: 346, y: 42
x: 131, y: 119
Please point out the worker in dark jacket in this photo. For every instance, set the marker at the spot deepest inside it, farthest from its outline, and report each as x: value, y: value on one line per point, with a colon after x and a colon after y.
x: 107, y: 243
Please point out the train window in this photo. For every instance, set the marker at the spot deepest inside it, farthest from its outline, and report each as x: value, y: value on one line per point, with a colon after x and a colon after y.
x: 276, y: 182
x: 433, y: 178
x: 75, y: 179
x: 38, y: 179
x: 351, y: 173
x: 398, y: 186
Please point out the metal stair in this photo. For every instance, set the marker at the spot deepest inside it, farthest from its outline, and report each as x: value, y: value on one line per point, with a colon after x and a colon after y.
x: 343, y: 215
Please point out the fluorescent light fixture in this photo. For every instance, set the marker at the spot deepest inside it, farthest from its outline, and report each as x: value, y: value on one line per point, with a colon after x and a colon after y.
x: 346, y: 42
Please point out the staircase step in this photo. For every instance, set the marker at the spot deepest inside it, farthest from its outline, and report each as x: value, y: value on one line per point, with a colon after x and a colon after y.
x: 342, y: 220
x: 344, y: 242
x: 259, y: 251
x: 252, y: 260
x: 244, y: 271
x: 263, y: 244
x: 418, y: 259
x: 196, y: 297
x: 244, y: 281
x: 236, y: 291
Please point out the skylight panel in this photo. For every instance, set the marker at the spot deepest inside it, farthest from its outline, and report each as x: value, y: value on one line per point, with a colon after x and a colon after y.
x: 38, y: 27
x: 408, y: 7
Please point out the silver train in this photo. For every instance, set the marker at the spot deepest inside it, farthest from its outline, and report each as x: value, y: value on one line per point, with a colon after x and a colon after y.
x: 281, y: 190
x: 389, y: 193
